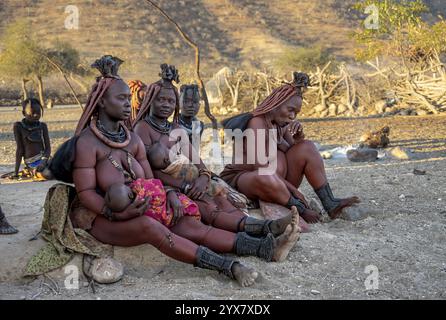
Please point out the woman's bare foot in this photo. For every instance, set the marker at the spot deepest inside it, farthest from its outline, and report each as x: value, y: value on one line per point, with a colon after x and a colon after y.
x: 310, y: 216
x: 245, y: 276
x: 288, y: 239
x: 343, y: 203
x: 279, y: 226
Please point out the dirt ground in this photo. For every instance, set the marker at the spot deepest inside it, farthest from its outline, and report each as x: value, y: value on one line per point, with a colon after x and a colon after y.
x: 403, y: 236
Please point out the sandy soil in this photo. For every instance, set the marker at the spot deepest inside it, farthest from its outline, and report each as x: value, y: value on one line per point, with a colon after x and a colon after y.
x: 404, y: 237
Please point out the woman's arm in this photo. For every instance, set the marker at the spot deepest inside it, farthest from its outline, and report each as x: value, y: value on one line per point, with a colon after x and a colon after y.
x: 19, y: 147
x: 84, y: 176
x: 261, y: 133
x: 168, y: 180
x: 284, y: 145
x: 141, y: 157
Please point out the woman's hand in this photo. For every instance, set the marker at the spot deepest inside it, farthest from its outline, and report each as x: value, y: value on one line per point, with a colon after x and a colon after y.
x: 199, y: 188
x: 174, y: 204
x: 296, y: 130
x: 136, y: 209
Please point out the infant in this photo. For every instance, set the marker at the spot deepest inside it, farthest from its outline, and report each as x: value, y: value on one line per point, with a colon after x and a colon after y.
x: 119, y: 196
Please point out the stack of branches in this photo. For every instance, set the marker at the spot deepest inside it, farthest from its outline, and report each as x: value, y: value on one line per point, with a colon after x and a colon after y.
x: 243, y: 90
x: 419, y: 84
x: 332, y: 92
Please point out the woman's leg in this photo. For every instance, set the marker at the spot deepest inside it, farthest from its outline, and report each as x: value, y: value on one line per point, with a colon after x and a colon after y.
x: 218, y: 240
x: 239, y: 243
x: 144, y: 230
x: 304, y: 160
x: 270, y: 188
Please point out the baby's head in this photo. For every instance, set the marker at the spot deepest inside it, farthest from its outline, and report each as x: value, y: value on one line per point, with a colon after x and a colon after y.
x: 158, y: 156
x: 118, y: 197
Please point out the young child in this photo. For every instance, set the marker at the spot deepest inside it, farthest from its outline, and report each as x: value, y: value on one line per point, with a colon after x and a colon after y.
x: 119, y: 196
x: 189, y: 107
x: 32, y: 140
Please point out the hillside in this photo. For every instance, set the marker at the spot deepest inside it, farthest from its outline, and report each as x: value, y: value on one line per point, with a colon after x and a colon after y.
x: 230, y: 32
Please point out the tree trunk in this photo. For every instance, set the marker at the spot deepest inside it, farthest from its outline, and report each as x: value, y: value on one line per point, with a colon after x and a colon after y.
x: 40, y: 85
x: 203, y: 93
x: 79, y: 83
x: 24, y: 90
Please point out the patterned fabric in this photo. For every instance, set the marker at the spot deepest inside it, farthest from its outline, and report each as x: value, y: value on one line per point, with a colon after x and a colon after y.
x: 153, y: 190
x: 63, y: 240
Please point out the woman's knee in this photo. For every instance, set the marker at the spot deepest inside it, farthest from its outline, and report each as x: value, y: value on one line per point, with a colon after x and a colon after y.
x: 301, y: 150
x: 305, y: 144
x: 270, y: 183
x: 152, y: 230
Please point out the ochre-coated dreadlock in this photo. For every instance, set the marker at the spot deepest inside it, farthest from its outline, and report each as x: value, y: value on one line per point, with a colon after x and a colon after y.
x: 108, y: 66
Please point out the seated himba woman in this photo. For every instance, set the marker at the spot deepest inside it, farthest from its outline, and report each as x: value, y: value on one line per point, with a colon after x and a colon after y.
x: 107, y: 153
x: 296, y: 157
x: 32, y: 140
x: 5, y: 227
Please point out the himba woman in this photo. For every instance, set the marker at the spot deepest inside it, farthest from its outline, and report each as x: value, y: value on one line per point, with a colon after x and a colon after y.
x: 106, y: 152
x: 296, y: 157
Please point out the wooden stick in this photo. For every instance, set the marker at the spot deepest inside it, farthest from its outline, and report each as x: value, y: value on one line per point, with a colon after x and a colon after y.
x: 58, y: 68
x: 186, y: 38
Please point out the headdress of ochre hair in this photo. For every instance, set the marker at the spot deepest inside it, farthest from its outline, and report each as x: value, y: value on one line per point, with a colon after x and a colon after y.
x: 108, y: 66
x: 168, y: 74
x: 195, y: 90
x: 277, y: 97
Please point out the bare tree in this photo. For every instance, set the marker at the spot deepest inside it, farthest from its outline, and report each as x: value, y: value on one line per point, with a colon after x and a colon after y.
x: 197, y: 64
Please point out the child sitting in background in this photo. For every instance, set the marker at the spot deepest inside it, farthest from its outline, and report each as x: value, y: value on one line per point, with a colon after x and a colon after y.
x: 189, y: 108
x: 32, y: 140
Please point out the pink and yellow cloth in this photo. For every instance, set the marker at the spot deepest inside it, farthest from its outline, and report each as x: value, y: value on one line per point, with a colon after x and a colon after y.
x: 153, y: 190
